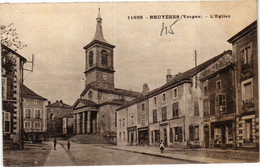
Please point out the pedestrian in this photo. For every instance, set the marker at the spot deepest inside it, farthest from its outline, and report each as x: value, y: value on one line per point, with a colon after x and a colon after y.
x: 68, y: 144
x: 55, y: 142
x: 161, y: 146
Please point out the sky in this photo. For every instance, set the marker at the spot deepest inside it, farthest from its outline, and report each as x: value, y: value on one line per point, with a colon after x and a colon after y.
x: 56, y: 34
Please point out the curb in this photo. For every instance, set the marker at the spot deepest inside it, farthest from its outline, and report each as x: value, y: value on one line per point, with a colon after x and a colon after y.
x: 69, y: 154
x: 157, y: 155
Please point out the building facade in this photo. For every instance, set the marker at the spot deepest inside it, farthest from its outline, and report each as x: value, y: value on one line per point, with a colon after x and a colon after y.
x: 246, y: 78
x: 173, y: 112
x: 34, y: 115
x: 94, y: 111
x: 11, y: 95
x: 218, y: 94
x: 55, y: 113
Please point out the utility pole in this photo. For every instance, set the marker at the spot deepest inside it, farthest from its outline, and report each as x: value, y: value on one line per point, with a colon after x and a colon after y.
x: 195, y: 58
x: 22, y: 113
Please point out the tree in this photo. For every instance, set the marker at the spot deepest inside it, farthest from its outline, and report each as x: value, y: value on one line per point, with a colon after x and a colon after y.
x: 9, y: 38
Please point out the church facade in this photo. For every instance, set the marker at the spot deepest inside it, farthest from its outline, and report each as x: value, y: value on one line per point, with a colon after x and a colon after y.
x: 94, y: 111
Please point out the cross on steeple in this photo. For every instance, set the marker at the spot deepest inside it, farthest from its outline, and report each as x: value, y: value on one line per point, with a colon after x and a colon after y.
x: 99, y: 33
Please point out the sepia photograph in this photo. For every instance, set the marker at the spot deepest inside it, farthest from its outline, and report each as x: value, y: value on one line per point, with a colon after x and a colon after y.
x: 129, y: 83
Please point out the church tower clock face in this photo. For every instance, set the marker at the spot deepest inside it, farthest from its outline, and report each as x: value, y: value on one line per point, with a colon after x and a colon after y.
x: 105, y: 77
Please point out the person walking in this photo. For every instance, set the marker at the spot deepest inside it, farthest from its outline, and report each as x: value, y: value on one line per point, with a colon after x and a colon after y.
x: 68, y: 145
x: 55, y: 143
x: 161, y: 146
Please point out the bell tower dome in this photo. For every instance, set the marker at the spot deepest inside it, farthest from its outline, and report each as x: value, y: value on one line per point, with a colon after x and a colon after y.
x: 99, y: 60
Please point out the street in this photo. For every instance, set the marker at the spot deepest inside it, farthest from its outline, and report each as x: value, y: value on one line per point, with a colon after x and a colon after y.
x: 88, y: 154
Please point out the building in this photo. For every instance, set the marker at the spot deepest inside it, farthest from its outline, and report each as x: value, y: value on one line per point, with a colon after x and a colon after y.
x: 218, y: 94
x: 55, y: 113
x: 94, y: 111
x: 11, y: 94
x: 132, y: 121
x: 246, y: 79
x: 174, y: 110
x: 68, y: 125
x: 34, y: 115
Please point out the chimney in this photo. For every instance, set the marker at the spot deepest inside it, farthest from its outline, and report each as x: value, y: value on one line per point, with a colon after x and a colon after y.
x: 49, y: 102
x: 61, y: 101
x: 145, y: 89
x: 169, y: 75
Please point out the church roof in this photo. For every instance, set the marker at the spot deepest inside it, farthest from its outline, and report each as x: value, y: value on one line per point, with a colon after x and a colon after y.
x: 28, y: 93
x: 112, y: 91
x: 99, y: 37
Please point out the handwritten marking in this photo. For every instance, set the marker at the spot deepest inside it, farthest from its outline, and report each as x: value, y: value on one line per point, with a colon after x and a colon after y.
x: 168, y: 29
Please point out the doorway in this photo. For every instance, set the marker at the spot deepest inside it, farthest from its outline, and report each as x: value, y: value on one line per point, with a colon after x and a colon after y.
x: 206, y: 136
x: 165, y: 137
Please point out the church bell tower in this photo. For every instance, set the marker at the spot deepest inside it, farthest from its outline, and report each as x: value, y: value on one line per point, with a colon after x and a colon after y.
x: 99, y: 60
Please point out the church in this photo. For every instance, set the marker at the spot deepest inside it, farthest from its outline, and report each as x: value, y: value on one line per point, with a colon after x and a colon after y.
x: 95, y: 111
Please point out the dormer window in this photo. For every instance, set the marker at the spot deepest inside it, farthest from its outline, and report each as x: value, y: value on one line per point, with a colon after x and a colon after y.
x: 218, y: 85
x: 164, y: 98
x: 104, y: 60
x: 175, y: 93
x: 90, y: 59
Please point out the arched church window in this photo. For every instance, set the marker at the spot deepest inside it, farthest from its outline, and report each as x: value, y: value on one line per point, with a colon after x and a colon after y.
x: 90, y: 58
x: 104, y: 58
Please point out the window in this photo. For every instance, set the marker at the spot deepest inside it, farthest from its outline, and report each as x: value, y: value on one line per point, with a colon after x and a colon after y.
x: 206, y: 107
x: 120, y: 123
x: 247, y: 91
x: 218, y: 85
x: 222, y: 103
x: 4, y: 87
x: 175, y: 93
x: 143, y: 107
x: 7, y: 122
x: 164, y: 113
x: 164, y: 98
x: 120, y: 136
x: 171, y: 135
x: 124, y: 135
x: 154, y: 115
x: 37, y: 125
x: 132, y: 120
x: 205, y: 90
x: 154, y: 100
x: 104, y: 58
x: 175, y: 109
x: 27, y: 112
x: 247, y: 55
x: 35, y: 101
x: 196, y: 107
x: 90, y: 59
x: 196, y: 133
x: 51, y: 116
x: 191, y: 131
x: 27, y: 125
x: 178, y: 134
x: 123, y: 122
x: 152, y: 138
x: 37, y: 113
